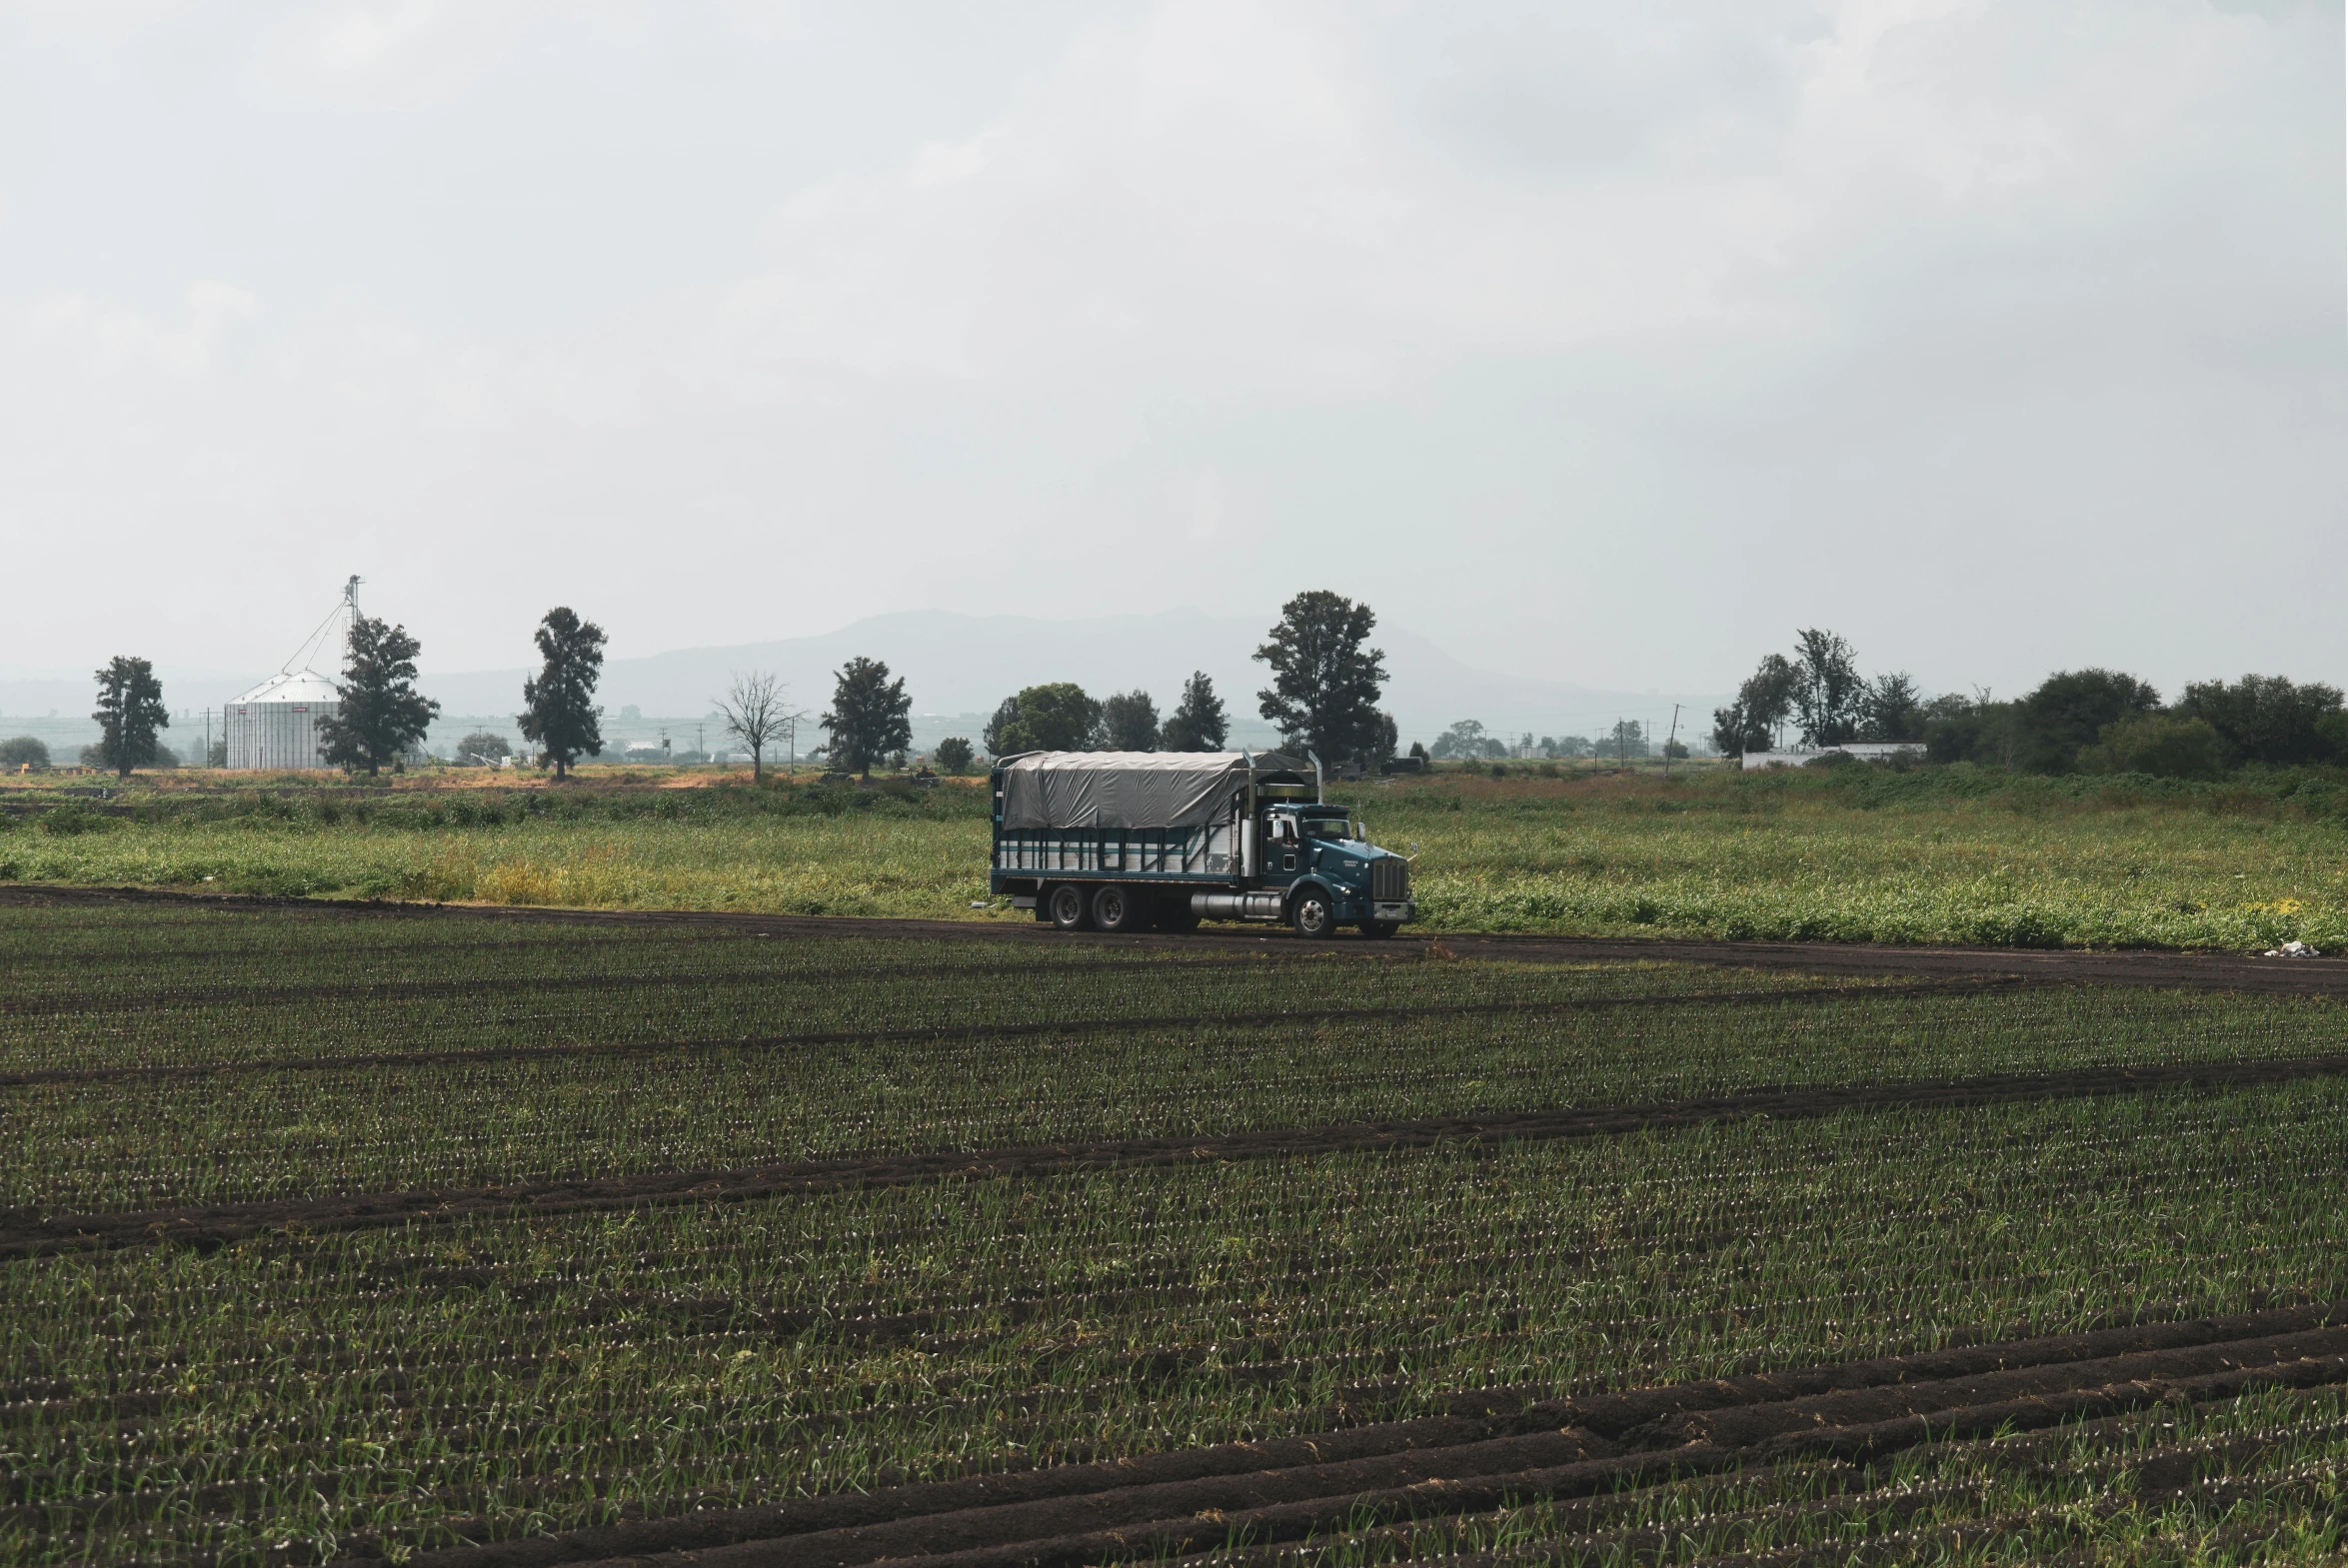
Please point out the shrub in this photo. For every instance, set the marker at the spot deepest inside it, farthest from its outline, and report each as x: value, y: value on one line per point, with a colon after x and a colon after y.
x: 2268, y: 719
x: 63, y: 822
x: 21, y: 752
x: 954, y: 754
x: 94, y: 755
x: 2161, y: 744
x: 2069, y: 709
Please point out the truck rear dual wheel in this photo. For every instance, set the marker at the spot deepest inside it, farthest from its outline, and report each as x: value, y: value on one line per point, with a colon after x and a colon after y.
x: 1065, y: 903
x: 1116, y: 908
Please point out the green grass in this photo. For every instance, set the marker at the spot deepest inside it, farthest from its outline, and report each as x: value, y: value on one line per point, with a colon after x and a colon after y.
x: 1858, y: 854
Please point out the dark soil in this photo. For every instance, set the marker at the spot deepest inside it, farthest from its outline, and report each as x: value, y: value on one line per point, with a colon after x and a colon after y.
x: 2140, y: 967
x: 1492, y: 1451
x: 24, y: 1233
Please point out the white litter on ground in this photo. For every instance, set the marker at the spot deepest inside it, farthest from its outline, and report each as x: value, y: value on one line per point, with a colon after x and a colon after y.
x: 2293, y: 949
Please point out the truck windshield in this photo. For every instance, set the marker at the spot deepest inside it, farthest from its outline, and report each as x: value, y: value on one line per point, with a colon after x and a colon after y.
x: 1328, y: 827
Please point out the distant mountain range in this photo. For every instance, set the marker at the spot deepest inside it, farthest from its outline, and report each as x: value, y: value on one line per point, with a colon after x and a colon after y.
x: 956, y: 667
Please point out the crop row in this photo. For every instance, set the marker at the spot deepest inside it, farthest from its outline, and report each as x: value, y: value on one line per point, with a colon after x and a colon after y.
x: 567, y: 1369
x: 136, y: 962
x: 82, y: 1147
x: 860, y: 988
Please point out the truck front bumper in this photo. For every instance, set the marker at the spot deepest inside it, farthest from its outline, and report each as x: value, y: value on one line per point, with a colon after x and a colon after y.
x: 1394, y: 913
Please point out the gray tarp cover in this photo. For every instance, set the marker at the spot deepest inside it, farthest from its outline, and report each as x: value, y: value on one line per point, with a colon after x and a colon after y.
x: 1120, y: 788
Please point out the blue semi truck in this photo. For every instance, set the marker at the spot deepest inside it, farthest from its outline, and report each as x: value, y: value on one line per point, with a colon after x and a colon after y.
x: 1139, y: 840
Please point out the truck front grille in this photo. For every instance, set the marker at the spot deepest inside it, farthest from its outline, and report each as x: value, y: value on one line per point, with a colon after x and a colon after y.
x: 1389, y: 879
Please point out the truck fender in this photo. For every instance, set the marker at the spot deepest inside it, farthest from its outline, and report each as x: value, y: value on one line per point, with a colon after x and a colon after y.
x: 1288, y: 902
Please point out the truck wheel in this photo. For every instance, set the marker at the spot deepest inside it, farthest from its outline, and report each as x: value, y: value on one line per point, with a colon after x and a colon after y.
x: 1377, y: 931
x: 1067, y: 907
x: 1118, y: 908
x: 1309, y: 914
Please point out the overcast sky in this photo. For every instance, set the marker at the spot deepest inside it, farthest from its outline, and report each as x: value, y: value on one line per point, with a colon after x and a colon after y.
x: 1600, y: 342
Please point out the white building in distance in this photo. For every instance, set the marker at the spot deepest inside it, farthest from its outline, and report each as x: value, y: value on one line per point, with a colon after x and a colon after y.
x: 1862, y: 751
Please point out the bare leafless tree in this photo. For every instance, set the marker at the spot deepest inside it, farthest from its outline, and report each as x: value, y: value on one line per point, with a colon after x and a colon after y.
x: 755, y: 710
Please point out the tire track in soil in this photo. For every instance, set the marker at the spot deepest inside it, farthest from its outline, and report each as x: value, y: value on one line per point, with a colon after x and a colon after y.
x: 2156, y: 968
x: 1830, y: 1489
x: 1491, y: 1451
x: 455, y: 947
x: 25, y: 1233
x: 986, y: 1031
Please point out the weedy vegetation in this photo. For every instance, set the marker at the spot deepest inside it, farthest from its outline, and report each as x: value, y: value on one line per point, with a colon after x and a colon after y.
x: 1961, y: 855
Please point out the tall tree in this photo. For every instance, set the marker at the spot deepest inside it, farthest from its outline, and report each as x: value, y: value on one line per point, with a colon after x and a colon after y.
x: 560, y: 716
x: 1130, y: 721
x: 1056, y: 716
x: 1892, y: 708
x: 1762, y: 706
x: 381, y: 715
x: 130, y: 713
x: 1199, y: 722
x: 1325, y: 679
x: 1463, y: 738
x: 1828, y: 687
x: 754, y: 710
x: 868, y: 717
x: 1732, y: 731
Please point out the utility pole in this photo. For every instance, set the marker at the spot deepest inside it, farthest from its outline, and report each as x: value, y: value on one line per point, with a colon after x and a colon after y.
x: 1670, y: 740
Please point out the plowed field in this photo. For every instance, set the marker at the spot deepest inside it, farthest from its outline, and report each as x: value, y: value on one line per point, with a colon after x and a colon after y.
x: 476, y: 1238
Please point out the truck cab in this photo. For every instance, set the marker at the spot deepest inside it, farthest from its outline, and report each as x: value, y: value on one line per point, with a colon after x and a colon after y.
x: 1328, y: 873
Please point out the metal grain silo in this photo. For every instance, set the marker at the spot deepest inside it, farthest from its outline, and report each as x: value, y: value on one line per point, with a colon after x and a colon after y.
x: 275, y: 724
